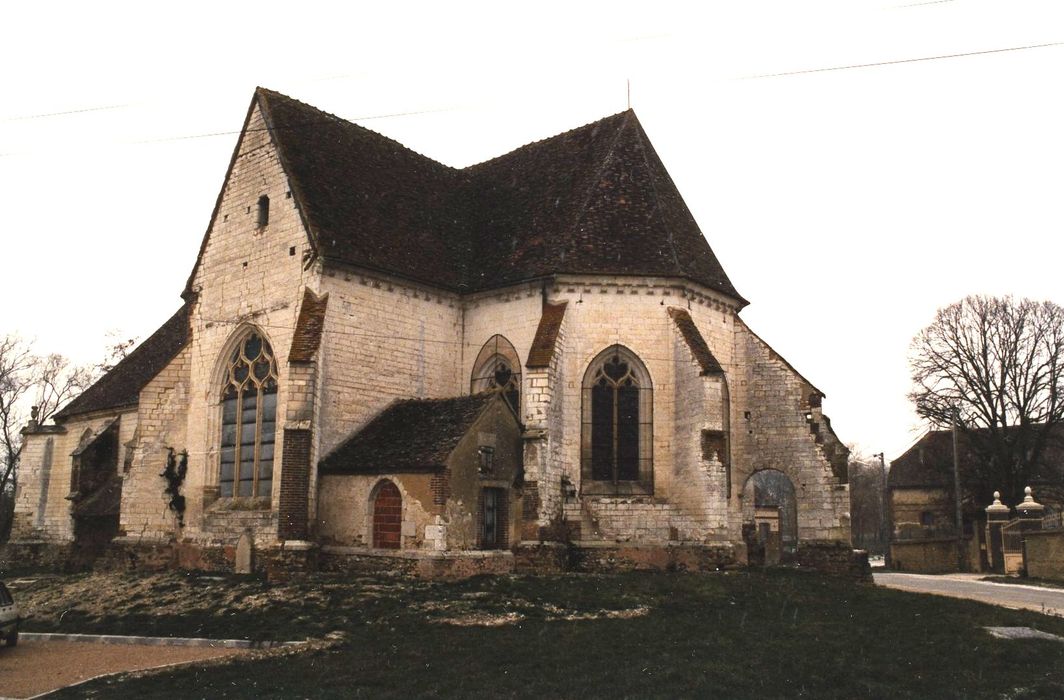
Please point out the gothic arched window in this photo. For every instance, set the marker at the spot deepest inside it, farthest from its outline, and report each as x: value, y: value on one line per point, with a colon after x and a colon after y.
x: 249, y: 420
x: 617, y: 425
x: 498, y: 368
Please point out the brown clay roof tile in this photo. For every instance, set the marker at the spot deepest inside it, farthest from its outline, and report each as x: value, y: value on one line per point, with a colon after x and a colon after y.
x: 550, y: 322
x: 416, y: 435
x: 695, y: 341
x: 593, y: 200
x: 309, y: 327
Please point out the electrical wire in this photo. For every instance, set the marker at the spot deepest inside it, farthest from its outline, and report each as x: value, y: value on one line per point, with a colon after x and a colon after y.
x: 905, y: 60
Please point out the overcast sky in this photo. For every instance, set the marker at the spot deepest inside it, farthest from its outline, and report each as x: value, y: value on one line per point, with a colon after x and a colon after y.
x: 846, y: 201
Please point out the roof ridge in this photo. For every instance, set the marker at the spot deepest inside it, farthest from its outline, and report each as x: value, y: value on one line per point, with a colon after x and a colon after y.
x: 348, y: 122
x: 593, y: 182
x: 545, y: 139
x: 669, y: 234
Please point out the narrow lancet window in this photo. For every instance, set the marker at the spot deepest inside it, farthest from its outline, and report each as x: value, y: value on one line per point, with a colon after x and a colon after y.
x: 264, y: 211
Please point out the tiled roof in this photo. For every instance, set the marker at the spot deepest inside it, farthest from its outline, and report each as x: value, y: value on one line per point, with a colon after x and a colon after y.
x: 120, y: 388
x: 550, y: 322
x: 929, y: 463
x: 309, y: 326
x: 693, y: 337
x: 595, y: 200
x: 416, y: 435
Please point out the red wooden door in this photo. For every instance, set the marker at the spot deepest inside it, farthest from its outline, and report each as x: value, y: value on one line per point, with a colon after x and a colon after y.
x: 387, y: 517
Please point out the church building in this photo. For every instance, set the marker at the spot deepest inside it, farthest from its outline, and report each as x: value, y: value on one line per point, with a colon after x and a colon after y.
x: 533, y: 363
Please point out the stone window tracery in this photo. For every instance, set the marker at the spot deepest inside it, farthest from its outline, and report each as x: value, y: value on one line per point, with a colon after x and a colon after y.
x: 617, y: 425
x: 249, y: 420
x: 497, y: 368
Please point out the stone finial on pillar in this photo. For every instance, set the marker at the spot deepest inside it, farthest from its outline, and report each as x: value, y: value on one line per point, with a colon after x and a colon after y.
x: 1030, y: 510
x: 997, y: 507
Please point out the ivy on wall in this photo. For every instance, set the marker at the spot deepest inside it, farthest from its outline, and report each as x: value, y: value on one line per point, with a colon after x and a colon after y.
x: 174, y: 474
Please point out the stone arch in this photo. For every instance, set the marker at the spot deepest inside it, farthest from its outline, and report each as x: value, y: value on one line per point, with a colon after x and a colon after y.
x: 770, y: 517
x: 617, y: 425
x: 386, y: 515
x: 498, y: 367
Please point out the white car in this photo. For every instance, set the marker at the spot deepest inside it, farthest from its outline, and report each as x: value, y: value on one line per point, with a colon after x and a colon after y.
x: 9, y: 617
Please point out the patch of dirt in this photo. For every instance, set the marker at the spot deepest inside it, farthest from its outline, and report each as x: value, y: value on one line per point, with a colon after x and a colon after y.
x: 481, y: 620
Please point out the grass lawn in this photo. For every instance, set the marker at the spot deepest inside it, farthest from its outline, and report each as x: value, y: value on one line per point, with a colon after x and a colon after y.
x: 758, y: 634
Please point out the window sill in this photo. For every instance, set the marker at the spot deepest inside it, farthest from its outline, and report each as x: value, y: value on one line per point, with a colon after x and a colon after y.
x: 620, y: 488
x: 240, y: 503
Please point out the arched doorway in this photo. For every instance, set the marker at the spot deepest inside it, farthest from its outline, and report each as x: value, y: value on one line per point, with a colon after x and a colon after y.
x: 387, y: 516
x: 770, y: 518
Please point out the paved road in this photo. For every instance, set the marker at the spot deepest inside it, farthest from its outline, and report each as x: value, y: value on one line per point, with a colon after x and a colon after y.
x: 32, y: 668
x: 1045, y: 600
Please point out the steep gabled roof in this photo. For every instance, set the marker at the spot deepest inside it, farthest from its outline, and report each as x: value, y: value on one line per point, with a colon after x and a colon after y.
x: 416, y: 435
x: 120, y: 388
x: 594, y: 200
x: 367, y: 199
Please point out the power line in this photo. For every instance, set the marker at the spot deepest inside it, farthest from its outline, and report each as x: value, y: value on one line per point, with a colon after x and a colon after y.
x: 905, y: 60
x: 918, y: 4
x: 45, y: 115
x: 298, y: 125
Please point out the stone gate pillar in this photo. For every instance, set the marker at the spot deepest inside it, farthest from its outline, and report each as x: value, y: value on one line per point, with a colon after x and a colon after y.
x: 997, y: 515
x: 1030, y: 514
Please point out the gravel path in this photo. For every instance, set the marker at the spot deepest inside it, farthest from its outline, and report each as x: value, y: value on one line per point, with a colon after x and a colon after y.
x: 32, y: 668
x: 1044, y: 600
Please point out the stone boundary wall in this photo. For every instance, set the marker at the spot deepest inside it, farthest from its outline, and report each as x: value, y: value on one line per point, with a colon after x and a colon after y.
x: 931, y: 556
x: 1044, y: 554
x: 835, y: 559
x: 832, y: 558
x: 430, y: 565
x: 620, y: 557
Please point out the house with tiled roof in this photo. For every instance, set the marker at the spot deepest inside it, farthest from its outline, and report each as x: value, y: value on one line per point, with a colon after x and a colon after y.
x: 533, y: 362
x: 923, y: 503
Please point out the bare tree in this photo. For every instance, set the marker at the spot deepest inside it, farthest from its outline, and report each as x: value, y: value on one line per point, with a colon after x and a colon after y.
x: 117, y: 348
x: 867, y: 501
x: 996, y: 367
x: 26, y: 379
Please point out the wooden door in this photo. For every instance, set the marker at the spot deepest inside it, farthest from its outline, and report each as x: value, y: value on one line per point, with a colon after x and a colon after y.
x: 387, y: 517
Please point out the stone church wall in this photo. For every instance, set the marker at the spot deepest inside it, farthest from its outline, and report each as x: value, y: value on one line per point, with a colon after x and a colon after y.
x: 383, y: 340
x: 53, y: 522
x: 689, y: 499
x: 247, y: 276
x: 162, y: 423
x: 771, y: 430
x: 47, y: 516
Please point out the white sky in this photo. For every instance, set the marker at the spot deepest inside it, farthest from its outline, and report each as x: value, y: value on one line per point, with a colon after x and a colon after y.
x: 846, y: 205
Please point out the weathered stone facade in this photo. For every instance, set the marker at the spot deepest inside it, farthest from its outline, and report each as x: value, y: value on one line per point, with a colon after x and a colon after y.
x: 724, y: 406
